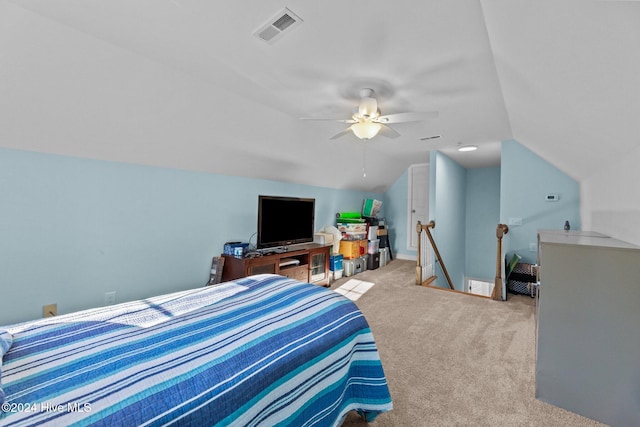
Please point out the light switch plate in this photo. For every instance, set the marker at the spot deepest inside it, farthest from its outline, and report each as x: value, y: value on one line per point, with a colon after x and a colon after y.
x: 515, y: 221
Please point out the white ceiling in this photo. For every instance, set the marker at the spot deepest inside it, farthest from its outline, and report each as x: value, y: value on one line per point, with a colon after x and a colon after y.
x: 184, y: 83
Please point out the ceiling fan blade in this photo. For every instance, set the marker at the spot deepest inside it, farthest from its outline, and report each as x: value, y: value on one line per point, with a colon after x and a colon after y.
x: 407, y: 117
x: 388, y: 132
x: 351, y: 121
x: 342, y: 133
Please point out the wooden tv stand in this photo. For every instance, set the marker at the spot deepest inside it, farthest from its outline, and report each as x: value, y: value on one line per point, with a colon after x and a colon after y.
x: 306, y: 263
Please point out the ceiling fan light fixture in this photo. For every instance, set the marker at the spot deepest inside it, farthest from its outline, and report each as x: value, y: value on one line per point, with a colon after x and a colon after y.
x: 366, y: 129
x: 368, y: 107
x: 468, y: 148
x: 367, y: 121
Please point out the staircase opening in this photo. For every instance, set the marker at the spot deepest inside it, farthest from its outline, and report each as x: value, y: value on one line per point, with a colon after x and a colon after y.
x: 472, y: 286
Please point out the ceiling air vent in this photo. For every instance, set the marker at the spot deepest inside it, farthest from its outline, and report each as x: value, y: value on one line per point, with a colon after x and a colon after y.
x: 284, y: 21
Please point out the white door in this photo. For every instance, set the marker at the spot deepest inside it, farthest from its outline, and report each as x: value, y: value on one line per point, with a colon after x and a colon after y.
x: 418, y: 200
x: 418, y: 210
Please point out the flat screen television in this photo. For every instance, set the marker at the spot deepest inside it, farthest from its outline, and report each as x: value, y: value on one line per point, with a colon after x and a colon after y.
x: 284, y: 221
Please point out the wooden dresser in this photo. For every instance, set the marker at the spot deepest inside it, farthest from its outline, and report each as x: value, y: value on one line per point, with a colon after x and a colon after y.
x: 307, y: 263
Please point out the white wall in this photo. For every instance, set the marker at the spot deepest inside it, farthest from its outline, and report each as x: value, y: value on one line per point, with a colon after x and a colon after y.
x: 611, y: 199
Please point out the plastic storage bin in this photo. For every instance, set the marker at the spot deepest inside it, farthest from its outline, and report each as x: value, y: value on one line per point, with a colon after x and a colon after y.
x: 353, y: 266
x: 373, y: 261
x: 384, y: 256
x: 365, y: 261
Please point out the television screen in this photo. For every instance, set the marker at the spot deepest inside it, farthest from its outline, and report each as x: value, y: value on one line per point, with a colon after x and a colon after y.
x: 284, y: 221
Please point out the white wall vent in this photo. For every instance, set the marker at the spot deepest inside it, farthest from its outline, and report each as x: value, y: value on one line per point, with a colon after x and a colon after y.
x: 275, y: 28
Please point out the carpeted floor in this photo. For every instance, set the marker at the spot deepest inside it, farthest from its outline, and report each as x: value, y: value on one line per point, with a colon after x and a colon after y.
x: 453, y: 359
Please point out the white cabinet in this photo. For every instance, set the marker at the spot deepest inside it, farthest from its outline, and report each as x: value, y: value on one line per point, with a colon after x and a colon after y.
x: 588, y: 326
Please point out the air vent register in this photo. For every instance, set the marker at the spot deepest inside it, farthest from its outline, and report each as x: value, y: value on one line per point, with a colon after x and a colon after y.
x: 276, y: 27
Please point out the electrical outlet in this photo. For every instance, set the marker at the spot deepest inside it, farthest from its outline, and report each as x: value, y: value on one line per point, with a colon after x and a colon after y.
x: 533, y: 247
x: 110, y: 298
x: 49, y: 310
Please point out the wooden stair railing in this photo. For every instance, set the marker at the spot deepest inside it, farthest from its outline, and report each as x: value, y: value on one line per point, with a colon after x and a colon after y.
x: 501, y: 230
x: 419, y: 228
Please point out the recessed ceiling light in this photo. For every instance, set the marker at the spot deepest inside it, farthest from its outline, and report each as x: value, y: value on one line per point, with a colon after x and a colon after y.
x: 468, y: 148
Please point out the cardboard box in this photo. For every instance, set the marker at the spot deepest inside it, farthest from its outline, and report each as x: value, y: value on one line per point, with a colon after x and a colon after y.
x: 353, y: 249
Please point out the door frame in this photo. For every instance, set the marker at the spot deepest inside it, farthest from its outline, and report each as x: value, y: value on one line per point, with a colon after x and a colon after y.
x: 428, y: 265
x: 411, y: 228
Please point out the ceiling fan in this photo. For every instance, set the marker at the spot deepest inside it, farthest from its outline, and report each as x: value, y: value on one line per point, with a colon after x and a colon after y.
x: 367, y: 121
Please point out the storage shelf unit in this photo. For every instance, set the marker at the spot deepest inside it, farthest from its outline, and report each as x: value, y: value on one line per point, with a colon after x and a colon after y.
x: 307, y: 263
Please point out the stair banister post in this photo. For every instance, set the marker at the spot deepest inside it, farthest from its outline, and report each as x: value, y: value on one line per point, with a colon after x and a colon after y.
x: 501, y: 230
x: 419, y: 265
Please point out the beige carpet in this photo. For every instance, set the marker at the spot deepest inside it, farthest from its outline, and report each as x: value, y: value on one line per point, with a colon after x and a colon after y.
x: 453, y: 359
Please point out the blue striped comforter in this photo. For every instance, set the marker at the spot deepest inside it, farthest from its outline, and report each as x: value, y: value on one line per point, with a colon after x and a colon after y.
x: 264, y: 350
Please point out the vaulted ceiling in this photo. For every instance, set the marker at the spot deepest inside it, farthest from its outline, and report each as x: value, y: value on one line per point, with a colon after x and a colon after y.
x: 186, y: 84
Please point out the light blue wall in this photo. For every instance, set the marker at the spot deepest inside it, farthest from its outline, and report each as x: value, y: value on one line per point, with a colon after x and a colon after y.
x: 525, y: 181
x: 482, y: 218
x: 72, y: 229
x: 447, y: 207
x: 395, y: 203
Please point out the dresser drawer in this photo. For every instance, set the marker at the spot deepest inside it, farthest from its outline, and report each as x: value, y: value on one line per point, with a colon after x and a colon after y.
x: 300, y: 272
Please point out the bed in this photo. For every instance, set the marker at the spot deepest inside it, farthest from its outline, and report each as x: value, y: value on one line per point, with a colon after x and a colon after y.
x: 263, y: 350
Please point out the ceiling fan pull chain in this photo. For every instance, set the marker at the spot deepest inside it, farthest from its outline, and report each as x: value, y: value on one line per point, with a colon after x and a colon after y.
x: 364, y: 161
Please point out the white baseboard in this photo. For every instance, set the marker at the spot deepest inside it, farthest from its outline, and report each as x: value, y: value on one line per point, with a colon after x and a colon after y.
x: 407, y: 257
